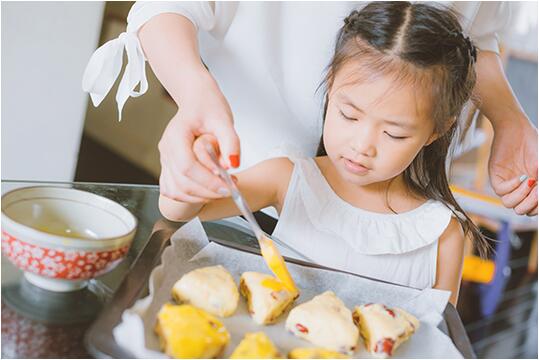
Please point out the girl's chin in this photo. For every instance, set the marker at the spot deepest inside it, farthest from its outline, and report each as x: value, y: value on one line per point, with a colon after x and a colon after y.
x: 361, y: 180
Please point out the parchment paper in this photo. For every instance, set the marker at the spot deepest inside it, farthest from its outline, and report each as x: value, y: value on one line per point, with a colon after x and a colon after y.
x: 190, y: 249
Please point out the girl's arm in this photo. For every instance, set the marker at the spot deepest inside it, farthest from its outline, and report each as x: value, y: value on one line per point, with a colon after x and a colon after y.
x: 450, y: 260
x: 262, y: 185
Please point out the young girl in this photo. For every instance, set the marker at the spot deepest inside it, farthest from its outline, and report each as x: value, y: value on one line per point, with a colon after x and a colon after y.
x: 377, y: 201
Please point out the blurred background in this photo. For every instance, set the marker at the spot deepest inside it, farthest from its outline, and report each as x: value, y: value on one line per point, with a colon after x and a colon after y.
x: 52, y: 132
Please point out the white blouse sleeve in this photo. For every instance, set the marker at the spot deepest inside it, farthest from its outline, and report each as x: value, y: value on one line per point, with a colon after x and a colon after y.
x: 106, y: 62
x: 483, y: 20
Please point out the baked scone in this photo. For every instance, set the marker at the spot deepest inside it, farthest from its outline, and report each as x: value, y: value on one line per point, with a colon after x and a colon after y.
x: 267, y: 297
x: 326, y: 322
x: 186, y: 332
x: 255, y: 346
x: 209, y: 288
x: 382, y: 328
x: 315, y: 353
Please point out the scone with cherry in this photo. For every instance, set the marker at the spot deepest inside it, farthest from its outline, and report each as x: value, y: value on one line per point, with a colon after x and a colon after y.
x: 186, y: 332
x: 255, y: 346
x: 326, y: 322
x: 210, y: 288
x: 267, y: 297
x: 384, y: 329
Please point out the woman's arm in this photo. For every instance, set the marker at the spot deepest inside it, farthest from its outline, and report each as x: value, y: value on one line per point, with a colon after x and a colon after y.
x: 495, y: 97
x: 450, y: 260
x: 171, y: 47
x: 170, y: 44
x: 262, y: 185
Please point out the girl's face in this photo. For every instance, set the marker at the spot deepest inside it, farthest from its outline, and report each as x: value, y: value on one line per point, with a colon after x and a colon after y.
x: 374, y: 129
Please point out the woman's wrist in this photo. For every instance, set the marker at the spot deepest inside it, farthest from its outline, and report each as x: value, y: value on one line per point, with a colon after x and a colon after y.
x: 509, y: 119
x: 189, y: 79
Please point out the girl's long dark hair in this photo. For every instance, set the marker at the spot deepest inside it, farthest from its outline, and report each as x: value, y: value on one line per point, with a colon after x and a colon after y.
x: 423, y: 45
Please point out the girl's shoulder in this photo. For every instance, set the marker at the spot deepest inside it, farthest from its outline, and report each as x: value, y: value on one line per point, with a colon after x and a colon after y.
x: 454, y: 231
x: 281, y: 165
x: 277, y: 173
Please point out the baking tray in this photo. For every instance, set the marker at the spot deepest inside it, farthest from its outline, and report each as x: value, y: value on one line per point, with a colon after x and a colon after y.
x: 99, y: 339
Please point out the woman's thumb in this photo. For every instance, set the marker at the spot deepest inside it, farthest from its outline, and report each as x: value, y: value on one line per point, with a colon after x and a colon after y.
x: 229, y: 144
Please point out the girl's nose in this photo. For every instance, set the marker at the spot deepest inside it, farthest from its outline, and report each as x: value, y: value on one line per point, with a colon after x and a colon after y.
x: 364, y: 142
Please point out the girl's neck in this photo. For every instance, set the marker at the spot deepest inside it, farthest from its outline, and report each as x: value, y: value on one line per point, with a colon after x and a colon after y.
x: 388, y: 196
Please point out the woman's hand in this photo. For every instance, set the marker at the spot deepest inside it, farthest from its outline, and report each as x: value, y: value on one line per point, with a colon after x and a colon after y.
x: 514, y: 149
x: 169, y: 42
x: 203, y: 110
x: 514, y: 154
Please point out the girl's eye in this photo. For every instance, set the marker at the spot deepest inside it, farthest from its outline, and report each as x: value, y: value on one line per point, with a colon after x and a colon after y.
x: 346, y: 117
x: 395, y: 137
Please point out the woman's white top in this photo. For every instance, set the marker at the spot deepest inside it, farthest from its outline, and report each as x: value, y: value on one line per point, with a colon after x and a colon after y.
x: 268, y: 59
x: 399, y: 248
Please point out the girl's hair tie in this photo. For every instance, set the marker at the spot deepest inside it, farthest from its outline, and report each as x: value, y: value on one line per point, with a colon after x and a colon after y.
x: 472, y: 50
x: 470, y: 47
x: 351, y: 19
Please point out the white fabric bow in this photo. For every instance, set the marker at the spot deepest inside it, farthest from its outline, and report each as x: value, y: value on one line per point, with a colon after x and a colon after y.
x: 105, y: 66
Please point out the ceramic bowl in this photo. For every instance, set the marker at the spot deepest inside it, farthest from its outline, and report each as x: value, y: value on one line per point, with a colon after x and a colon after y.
x: 61, y: 237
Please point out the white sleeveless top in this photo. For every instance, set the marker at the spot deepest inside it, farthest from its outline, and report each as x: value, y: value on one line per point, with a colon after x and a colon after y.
x: 399, y: 248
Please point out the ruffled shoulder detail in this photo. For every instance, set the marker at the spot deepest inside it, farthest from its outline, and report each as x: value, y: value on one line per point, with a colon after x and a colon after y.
x: 368, y: 232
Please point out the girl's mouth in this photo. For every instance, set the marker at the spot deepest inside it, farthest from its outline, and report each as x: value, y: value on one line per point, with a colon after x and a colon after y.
x: 355, y: 168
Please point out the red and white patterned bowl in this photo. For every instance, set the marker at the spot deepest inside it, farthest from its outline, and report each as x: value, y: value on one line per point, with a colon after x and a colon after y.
x: 61, y: 237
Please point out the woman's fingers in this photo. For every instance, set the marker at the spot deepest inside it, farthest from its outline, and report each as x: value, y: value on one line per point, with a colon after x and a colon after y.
x: 199, y: 181
x: 516, y: 196
x: 505, y: 187
x: 200, y: 149
x: 189, y: 181
x: 194, y: 185
x: 169, y: 188
x: 526, y: 206
x: 229, y: 143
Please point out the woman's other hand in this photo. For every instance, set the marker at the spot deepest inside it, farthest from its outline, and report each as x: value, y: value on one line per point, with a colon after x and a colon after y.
x: 513, y: 166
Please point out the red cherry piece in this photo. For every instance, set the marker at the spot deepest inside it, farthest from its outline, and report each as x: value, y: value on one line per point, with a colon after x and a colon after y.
x: 384, y: 346
x: 390, y: 312
x: 302, y: 328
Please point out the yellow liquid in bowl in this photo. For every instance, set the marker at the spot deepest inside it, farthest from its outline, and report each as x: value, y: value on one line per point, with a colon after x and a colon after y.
x: 63, y: 230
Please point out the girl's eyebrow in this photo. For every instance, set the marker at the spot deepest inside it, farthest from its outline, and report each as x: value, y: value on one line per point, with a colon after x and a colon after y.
x: 406, y: 125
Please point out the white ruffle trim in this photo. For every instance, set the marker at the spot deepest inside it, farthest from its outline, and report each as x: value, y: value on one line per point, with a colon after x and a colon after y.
x: 362, y: 229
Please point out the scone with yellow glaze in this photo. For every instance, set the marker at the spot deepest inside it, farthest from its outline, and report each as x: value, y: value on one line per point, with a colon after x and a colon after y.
x: 384, y: 329
x: 267, y: 297
x: 211, y: 288
x: 255, y: 346
x: 315, y: 353
x: 186, y: 332
x: 326, y: 322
